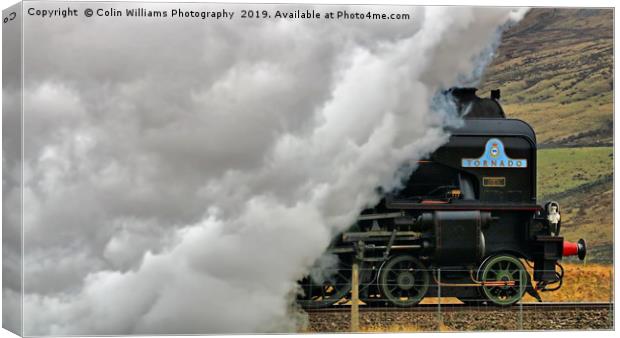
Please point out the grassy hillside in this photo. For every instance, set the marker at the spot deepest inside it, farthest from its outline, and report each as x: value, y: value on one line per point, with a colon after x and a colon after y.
x: 564, y: 169
x: 555, y: 72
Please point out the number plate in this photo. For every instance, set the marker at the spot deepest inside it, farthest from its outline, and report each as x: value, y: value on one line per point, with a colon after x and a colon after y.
x: 494, y: 181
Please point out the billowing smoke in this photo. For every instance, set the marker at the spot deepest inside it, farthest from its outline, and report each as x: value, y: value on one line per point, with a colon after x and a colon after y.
x: 181, y: 177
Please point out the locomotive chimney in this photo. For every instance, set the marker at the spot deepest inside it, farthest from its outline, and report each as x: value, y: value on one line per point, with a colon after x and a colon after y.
x: 471, y: 105
x: 495, y: 94
x: 463, y: 95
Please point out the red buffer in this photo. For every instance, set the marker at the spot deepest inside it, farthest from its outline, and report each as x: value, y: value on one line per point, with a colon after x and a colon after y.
x: 575, y: 249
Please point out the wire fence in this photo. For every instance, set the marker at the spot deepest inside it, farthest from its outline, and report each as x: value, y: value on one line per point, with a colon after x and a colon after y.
x: 502, y: 296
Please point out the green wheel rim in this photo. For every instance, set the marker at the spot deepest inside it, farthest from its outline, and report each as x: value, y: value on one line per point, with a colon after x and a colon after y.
x: 404, y: 280
x: 325, y: 292
x: 504, y: 268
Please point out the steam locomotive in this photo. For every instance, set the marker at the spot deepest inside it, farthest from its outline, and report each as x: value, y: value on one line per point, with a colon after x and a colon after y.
x: 466, y: 224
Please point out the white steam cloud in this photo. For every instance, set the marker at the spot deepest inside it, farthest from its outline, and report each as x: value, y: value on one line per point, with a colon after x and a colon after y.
x: 181, y: 177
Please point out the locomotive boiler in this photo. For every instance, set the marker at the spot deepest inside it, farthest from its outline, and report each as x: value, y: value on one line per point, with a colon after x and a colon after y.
x: 466, y: 224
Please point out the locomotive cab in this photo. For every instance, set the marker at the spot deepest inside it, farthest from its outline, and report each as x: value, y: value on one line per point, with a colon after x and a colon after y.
x: 487, y: 160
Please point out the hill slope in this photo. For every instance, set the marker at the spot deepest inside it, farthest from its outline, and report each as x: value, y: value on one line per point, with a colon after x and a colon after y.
x: 555, y: 72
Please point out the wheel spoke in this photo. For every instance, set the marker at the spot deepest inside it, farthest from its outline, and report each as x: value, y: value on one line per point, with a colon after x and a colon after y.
x: 404, y: 280
x: 319, y: 294
x: 503, y: 268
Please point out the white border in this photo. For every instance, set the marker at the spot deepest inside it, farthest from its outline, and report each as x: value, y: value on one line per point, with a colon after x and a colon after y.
x: 526, y: 3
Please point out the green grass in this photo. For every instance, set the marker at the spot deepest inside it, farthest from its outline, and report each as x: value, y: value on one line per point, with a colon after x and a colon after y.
x: 562, y: 169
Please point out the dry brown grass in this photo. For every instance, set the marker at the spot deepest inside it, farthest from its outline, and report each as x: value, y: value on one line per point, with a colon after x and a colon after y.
x: 391, y: 328
x: 444, y: 300
x: 582, y: 283
x: 401, y: 328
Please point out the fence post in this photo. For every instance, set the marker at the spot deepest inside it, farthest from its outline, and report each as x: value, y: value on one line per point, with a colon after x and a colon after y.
x: 439, y: 319
x: 611, y: 299
x: 355, y: 315
x: 521, y: 287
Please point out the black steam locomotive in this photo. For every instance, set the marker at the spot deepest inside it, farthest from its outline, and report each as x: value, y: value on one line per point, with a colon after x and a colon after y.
x: 465, y: 225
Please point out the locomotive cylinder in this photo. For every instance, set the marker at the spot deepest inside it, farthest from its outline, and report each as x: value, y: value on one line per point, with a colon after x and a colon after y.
x: 458, y: 237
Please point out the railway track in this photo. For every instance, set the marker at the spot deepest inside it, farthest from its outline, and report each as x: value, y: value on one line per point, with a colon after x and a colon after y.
x: 560, y: 306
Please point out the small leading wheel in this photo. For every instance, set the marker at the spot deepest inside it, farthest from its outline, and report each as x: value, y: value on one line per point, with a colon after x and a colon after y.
x: 404, y: 280
x: 327, y: 288
x: 505, y: 279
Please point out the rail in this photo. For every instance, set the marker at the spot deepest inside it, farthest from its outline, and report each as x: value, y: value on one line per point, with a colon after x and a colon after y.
x: 551, y: 306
